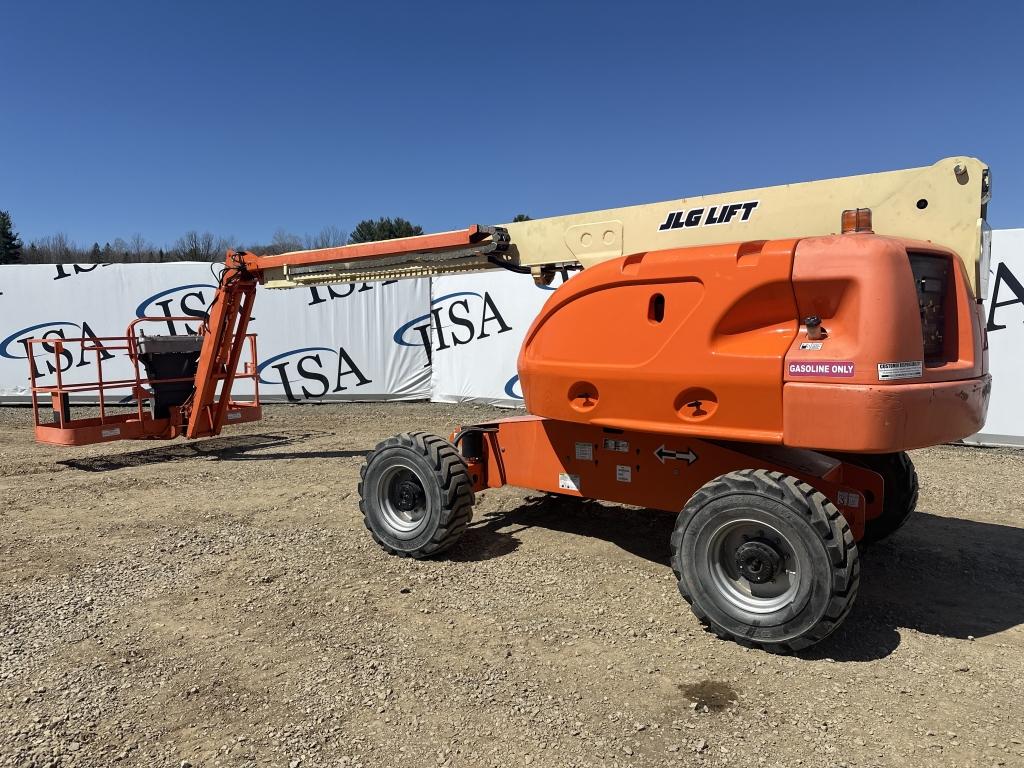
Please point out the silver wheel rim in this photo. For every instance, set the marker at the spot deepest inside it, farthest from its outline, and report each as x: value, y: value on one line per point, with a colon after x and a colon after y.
x: 742, y: 593
x: 402, y: 507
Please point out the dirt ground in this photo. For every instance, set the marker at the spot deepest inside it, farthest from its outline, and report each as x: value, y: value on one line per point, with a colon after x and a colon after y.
x: 219, y: 603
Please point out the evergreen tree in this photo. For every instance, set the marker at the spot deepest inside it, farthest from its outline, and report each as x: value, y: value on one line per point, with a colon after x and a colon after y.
x: 95, y: 254
x: 521, y: 217
x: 383, y: 228
x: 10, y: 241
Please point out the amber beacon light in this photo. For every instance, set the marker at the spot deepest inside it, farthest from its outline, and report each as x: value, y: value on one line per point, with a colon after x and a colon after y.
x: 857, y: 221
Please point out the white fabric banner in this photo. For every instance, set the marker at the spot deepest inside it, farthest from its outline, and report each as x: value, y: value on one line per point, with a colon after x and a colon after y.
x: 478, y: 322
x: 452, y: 339
x: 313, y: 343
x: 1004, y: 310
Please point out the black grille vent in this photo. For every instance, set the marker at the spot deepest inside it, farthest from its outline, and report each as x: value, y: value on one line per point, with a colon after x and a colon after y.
x: 931, y: 278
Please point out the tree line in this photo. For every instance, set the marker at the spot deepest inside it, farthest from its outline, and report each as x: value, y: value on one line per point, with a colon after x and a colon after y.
x: 192, y: 246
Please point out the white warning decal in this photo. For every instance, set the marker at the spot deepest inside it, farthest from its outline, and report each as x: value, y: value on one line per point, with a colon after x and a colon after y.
x: 812, y: 345
x: 110, y: 432
x: 585, y: 451
x: 623, y: 473
x: 619, y: 446
x: 569, y: 482
x: 848, y: 499
x: 909, y: 369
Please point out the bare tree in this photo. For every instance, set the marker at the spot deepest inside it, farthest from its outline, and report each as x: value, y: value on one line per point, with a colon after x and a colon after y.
x: 140, y: 249
x: 328, y: 237
x: 33, y: 253
x: 64, y: 247
x: 193, y: 246
x: 120, y: 247
x: 196, y: 246
x: 55, y: 249
x: 284, y: 242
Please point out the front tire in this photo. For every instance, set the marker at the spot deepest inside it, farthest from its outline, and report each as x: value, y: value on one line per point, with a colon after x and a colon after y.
x: 765, y: 560
x: 415, y: 495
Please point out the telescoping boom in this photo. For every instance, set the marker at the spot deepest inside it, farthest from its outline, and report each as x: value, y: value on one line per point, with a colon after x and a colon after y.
x: 943, y: 203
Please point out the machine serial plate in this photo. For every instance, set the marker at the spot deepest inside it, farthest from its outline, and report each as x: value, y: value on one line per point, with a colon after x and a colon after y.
x: 909, y: 369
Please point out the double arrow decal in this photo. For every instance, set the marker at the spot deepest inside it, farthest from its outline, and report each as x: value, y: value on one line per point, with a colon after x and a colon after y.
x: 664, y: 453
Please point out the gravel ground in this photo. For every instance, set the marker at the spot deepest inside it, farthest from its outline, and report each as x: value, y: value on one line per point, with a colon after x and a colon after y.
x: 219, y: 603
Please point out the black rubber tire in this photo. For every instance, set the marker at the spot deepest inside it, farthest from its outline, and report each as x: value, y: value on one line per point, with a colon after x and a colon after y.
x: 901, y: 491
x: 447, y: 494
x: 822, y: 545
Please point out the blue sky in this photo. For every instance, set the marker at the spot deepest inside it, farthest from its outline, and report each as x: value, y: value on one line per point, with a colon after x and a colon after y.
x: 241, y: 118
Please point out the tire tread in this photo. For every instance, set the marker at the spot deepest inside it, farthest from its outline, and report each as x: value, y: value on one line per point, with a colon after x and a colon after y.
x: 452, y: 477
x: 819, y: 512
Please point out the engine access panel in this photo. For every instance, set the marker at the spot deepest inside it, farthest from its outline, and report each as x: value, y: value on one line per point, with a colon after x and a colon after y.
x: 686, y: 341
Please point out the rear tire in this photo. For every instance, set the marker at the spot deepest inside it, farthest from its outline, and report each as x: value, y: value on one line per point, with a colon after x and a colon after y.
x: 765, y: 560
x: 415, y: 495
x: 901, y: 491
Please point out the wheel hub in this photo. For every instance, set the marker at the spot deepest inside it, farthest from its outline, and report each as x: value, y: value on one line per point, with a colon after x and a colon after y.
x: 758, y: 561
x: 402, y: 499
x: 408, y: 496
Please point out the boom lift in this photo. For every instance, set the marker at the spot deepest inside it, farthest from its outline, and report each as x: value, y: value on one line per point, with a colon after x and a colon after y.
x: 760, y: 360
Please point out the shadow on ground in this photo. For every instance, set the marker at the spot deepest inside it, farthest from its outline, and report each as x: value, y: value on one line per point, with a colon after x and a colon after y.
x: 938, y: 575
x: 234, y: 448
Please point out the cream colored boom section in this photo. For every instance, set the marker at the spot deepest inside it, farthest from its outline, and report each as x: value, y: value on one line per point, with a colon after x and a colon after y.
x: 943, y: 203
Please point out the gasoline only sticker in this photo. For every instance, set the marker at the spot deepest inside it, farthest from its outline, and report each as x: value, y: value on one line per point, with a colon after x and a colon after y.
x: 623, y: 473
x: 909, y: 369
x: 569, y: 482
x: 831, y: 368
x: 585, y: 451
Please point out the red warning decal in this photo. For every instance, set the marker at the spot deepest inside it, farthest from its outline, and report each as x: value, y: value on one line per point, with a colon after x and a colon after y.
x: 834, y: 368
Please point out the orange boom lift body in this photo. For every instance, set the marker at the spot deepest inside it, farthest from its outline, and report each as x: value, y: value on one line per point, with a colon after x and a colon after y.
x: 768, y: 388
x: 755, y: 387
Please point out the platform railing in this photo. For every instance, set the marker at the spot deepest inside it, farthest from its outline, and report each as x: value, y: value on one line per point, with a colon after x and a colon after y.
x: 140, y: 422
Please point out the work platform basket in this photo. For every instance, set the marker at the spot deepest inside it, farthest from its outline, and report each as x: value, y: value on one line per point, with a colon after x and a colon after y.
x: 153, y: 402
